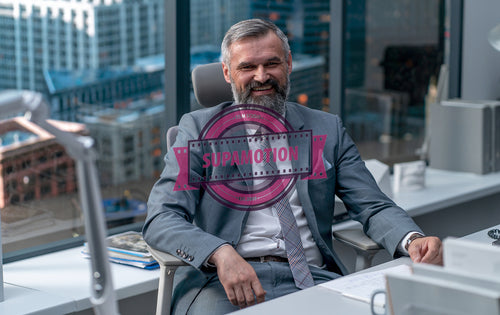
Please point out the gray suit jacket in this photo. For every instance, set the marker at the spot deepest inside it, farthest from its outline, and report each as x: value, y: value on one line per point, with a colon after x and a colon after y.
x: 169, y: 224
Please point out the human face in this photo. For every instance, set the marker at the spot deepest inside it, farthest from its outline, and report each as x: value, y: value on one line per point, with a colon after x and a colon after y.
x: 259, y: 71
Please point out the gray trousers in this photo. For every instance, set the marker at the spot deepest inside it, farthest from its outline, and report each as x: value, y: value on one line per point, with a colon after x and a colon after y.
x: 275, y: 277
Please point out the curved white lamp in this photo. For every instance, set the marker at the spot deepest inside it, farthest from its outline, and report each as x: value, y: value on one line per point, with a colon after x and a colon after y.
x: 494, y: 37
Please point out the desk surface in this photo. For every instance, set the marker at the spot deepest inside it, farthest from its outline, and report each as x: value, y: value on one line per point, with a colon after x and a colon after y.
x: 318, y: 300
x: 443, y: 189
x: 59, y: 283
x: 482, y: 236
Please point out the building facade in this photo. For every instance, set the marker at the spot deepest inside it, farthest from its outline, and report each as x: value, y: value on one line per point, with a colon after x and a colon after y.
x: 33, y: 165
x: 130, y: 141
x: 69, y: 92
x: 39, y: 35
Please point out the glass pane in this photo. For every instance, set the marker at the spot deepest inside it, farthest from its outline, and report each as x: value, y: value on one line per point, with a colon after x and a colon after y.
x: 393, y: 51
x: 100, y: 68
x: 305, y: 22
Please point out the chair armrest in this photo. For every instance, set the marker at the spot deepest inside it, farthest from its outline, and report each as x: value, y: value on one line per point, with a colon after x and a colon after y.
x: 168, y: 265
x: 357, y: 239
x: 165, y: 259
x: 364, y: 246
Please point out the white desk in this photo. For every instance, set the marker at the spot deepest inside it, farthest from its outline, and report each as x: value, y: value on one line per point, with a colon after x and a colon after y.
x: 452, y: 204
x: 320, y: 300
x: 482, y: 236
x: 59, y: 283
x: 20, y: 300
x: 443, y: 189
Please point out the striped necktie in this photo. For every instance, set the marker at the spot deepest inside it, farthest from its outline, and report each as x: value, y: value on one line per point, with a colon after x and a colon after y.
x: 293, y: 244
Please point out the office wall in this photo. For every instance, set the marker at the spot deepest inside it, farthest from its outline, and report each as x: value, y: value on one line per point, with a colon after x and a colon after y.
x: 480, y: 62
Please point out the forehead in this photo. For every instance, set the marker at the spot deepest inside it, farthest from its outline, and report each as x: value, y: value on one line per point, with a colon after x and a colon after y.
x: 257, y: 49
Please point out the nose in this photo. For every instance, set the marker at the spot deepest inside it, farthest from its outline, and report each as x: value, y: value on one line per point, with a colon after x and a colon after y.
x: 261, y: 74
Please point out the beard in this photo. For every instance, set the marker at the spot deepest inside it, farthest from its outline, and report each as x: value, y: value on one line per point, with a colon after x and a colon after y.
x: 274, y: 101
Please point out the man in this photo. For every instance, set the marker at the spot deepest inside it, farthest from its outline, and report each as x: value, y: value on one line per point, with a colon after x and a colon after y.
x: 239, y: 258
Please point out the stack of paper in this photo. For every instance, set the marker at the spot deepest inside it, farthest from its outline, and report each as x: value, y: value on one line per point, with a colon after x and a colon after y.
x: 128, y: 248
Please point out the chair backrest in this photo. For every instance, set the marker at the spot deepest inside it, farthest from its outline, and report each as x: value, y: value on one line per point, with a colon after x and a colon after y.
x: 210, y: 87
x: 171, y: 136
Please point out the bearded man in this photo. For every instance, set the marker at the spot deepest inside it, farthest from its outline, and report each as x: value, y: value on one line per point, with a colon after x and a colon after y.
x: 239, y: 258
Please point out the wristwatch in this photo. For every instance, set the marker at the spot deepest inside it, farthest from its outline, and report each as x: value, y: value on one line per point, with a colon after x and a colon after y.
x: 412, y: 237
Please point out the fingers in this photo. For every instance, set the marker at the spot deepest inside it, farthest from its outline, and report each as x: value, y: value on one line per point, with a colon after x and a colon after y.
x: 426, y: 250
x: 240, y: 297
x: 260, y: 294
x: 243, y: 294
x: 433, y: 253
x: 238, y: 278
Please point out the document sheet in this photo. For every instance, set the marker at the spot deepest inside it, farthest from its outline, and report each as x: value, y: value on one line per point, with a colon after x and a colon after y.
x: 360, y: 286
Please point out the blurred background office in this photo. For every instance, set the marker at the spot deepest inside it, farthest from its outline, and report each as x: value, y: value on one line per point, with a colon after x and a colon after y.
x: 119, y: 70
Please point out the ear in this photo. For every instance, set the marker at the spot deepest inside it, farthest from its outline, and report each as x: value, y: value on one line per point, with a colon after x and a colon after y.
x: 225, y: 71
x: 289, y: 62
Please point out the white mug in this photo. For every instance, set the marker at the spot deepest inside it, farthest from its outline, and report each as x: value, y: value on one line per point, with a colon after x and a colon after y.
x: 372, y: 302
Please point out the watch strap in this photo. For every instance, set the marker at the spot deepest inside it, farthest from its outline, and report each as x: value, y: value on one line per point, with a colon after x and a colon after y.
x: 412, y: 237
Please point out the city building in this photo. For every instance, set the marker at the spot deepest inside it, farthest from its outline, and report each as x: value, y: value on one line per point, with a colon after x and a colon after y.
x: 306, y: 23
x: 71, y: 91
x: 33, y: 165
x: 74, y: 35
x: 307, y: 87
x: 130, y: 141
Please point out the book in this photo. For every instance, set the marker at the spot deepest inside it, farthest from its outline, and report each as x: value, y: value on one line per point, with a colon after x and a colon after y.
x: 128, y: 248
x: 130, y: 243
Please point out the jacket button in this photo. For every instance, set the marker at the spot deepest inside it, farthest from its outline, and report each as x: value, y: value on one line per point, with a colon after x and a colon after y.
x: 190, y: 258
x: 178, y: 251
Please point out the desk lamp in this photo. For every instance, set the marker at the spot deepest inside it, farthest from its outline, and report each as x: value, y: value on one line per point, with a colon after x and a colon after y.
x: 494, y: 37
x: 80, y: 148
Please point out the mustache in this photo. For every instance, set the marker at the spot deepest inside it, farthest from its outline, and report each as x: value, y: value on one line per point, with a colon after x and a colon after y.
x: 255, y: 84
x: 271, y: 82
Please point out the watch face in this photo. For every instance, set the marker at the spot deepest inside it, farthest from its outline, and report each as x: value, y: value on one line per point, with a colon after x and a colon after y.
x: 411, y: 239
x: 494, y: 233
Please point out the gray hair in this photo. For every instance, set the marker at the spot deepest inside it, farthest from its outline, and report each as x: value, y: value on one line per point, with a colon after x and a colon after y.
x: 251, y: 28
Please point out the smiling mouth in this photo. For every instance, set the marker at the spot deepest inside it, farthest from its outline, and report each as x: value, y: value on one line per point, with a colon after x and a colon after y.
x: 261, y: 89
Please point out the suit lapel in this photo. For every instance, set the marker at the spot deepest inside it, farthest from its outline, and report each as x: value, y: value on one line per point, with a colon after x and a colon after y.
x: 294, y: 118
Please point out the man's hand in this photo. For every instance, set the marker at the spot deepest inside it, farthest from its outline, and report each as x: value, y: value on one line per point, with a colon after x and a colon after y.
x: 426, y: 250
x: 239, y: 279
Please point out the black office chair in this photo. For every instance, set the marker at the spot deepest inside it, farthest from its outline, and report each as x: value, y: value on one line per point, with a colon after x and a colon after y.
x: 210, y: 89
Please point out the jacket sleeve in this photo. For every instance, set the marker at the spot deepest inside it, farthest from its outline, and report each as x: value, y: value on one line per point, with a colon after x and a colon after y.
x: 382, y: 220
x: 169, y: 224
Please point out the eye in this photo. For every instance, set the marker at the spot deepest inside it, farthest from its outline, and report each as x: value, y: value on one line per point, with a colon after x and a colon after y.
x: 247, y: 67
x: 273, y: 64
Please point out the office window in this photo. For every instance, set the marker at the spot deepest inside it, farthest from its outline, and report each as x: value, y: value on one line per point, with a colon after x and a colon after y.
x: 392, y: 52
x: 81, y: 65
x: 306, y: 24
x: 115, y: 89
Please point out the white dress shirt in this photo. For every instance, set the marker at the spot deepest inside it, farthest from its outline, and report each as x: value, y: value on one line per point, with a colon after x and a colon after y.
x: 262, y: 233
